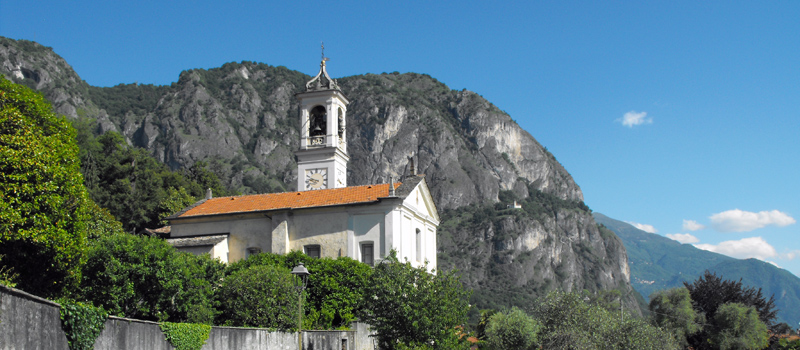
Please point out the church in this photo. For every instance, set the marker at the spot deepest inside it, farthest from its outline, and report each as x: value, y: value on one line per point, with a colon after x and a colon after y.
x: 325, y: 217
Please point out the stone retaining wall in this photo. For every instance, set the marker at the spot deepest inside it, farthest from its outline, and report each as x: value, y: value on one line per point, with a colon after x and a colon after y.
x: 32, y: 323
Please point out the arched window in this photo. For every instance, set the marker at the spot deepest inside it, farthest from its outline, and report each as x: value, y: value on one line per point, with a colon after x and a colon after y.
x: 419, y: 246
x: 317, y: 124
x: 341, y: 125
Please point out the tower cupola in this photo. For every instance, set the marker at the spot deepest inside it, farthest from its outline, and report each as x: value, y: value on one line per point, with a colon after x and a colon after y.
x: 322, y: 157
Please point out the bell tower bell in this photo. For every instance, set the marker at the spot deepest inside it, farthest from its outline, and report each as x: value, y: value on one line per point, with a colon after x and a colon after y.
x: 322, y: 157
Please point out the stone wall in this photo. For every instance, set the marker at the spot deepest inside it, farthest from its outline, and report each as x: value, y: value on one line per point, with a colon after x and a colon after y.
x: 127, y: 334
x: 29, y: 322
x: 32, y: 323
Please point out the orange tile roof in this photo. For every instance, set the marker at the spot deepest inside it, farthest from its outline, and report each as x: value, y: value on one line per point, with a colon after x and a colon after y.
x: 288, y: 200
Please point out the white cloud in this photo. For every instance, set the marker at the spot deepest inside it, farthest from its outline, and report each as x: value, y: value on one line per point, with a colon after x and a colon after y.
x: 691, y: 225
x: 753, y: 247
x: 683, y: 237
x: 742, y: 221
x: 634, y: 118
x: 791, y: 255
x: 643, y: 227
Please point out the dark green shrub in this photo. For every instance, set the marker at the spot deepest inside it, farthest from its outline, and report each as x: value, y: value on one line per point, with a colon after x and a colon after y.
x: 259, y: 296
x: 408, y: 305
x: 146, y: 278
x: 512, y: 329
x: 335, y: 287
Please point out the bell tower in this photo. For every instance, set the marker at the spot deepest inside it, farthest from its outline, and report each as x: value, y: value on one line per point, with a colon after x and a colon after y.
x: 322, y: 157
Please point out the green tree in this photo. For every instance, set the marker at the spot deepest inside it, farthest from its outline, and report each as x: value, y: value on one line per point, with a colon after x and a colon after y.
x: 174, y: 200
x: 513, y: 329
x: 672, y: 310
x: 738, y: 327
x: 335, y: 287
x: 408, y: 305
x: 146, y: 278
x: 569, y: 322
x: 43, y: 203
x: 709, y: 292
x: 132, y: 185
x: 259, y: 296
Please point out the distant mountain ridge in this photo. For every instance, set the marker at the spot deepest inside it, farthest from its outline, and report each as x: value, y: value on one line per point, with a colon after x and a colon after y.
x: 242, y: 119
x: 659, y: 263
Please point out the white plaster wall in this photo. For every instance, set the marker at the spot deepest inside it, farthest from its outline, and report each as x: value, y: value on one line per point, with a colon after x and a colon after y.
x: 326, y: 228
x: 368, y: 228
x: 243, y: 233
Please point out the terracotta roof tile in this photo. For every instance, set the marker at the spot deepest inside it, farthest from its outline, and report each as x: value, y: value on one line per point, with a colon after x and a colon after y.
x: 288, y: 200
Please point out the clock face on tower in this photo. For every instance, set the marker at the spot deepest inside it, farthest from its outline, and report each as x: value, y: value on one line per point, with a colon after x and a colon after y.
x: 316, y: 179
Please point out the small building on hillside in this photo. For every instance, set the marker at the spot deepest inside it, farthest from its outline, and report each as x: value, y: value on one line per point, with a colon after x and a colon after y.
x: 325, y: 217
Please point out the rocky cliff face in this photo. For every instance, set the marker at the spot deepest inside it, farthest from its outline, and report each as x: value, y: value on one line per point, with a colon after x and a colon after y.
x: 242, y: 118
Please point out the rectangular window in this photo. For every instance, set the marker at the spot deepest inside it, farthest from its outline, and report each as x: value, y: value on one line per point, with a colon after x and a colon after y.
x: 367, y: 254
x: 419, y: 246
x: 252, y: 251
x: 313, y: 251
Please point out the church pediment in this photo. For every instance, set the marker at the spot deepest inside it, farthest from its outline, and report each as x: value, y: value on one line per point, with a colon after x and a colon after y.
x: 418, y: 197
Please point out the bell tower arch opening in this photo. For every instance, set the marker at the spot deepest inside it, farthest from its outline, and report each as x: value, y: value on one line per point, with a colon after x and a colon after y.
x: 322, y: 157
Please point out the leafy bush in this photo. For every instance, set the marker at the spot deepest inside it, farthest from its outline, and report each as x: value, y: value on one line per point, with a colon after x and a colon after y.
x: 672, y: 310
x: 82, y: 323
x: 146, y: 278
x: 513, y: 329
x: 335, y: 287
x: 408, y: 305
x: 43, y: 204
x: 710, y: 292
x: 186, y: 336
x: 570, y: 323
x: 738, y: 328
x: 259, y: 296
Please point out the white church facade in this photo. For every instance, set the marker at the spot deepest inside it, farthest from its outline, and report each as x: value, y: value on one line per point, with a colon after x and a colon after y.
x: 325, y: 217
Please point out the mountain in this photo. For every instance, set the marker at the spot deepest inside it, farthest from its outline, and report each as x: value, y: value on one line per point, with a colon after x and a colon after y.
x: 659, y: 263
x: 242, y: 119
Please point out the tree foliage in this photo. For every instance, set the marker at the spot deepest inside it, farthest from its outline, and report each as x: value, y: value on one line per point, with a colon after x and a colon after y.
x: 571, y: 323
x: 408, y: 305
x: 335, y: 286
x: 146, y: 278
x: 513, y: 329
x: 710, y: 292
x: 738, y: 327
x: 43, y: 204
x: 136, y: 188
x: 672, y: 310
x: 260, y: 296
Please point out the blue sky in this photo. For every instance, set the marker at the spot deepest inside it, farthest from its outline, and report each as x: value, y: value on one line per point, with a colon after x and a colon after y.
x: 682, y: 116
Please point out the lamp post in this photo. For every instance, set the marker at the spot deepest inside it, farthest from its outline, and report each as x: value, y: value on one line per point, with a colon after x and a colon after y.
x: 301, y: 277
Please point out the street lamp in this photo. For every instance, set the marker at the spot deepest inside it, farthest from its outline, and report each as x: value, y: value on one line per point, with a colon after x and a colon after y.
x: 301, y: 277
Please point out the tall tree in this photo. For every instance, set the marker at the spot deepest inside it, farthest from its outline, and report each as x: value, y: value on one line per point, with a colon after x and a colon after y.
x: 43, y: 203
x: 739, y: 328
x: 408, y: 306
x: 710, y: 292
x: 672, y: 310
x: 135, y: 187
